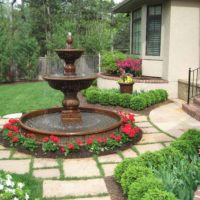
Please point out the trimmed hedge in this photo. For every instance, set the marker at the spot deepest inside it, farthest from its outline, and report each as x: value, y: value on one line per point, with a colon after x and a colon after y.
x: 157, y: 194
x: 135, y: 101
x: 171, y: 165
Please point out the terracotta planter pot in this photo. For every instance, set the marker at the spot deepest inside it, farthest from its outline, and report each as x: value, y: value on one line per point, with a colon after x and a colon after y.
x: 126, y: 87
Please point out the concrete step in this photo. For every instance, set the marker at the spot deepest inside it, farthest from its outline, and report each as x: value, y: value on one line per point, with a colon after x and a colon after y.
x: 196, y: 100
x: 193, y: 110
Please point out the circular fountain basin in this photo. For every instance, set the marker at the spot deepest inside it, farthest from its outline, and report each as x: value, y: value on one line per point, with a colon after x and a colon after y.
x: 97, y: 122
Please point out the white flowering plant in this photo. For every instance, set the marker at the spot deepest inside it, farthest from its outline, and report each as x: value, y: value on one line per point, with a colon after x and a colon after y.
x: 12, y: 190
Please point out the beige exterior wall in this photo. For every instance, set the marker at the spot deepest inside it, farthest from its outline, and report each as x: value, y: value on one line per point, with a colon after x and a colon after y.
x: 184, y: 38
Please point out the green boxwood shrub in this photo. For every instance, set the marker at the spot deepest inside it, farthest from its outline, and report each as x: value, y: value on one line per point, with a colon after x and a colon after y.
x: 132, y: 174
x: 104, y: 98
x: 137, y: 103
x: 138, y: 188
x: 114, y: 99
x: 124, y: 100
x: 157, y: 194
x: 147, y: 98
x: 163, y: 94
x: 153, y: 97
x: 92, y: 96
x: 185, y: 147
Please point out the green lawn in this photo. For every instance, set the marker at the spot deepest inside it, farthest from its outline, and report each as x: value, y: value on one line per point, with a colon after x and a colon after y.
x: 23, y: 97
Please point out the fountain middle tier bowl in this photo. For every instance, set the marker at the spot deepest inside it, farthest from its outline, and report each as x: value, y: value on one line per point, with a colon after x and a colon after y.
x: 96, y: 122
x: 69, y: 54
x: 64, y: 83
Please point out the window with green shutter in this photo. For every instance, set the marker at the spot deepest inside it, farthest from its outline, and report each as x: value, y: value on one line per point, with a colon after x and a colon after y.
x: 153, y: 34
x: 137, y: 31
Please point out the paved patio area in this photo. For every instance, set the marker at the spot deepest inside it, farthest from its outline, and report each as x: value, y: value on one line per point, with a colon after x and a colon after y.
x: 62, y: 177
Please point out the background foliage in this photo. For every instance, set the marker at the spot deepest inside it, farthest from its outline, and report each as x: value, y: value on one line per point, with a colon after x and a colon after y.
x: 35, y: 28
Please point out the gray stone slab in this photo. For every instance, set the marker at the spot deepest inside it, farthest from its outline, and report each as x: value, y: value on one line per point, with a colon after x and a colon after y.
x: 55, y: 188
x: 4, y: 154
x: 109, y: 169
x: 20, y: 155
x: 172, y: 119
x: 15, y: 166
x: 155, y: 138
x: 129, y: 153
x: 85, y: 167
x: 93, y: 198
x: 140, y: 118
x: 2, y: 147
x: 143, y: 124
x: 148, y: 147
x: 44, y: 162
x: 46, y: 173
x: 13, y: 116
x: 149, y: 130
x: 110, y: 158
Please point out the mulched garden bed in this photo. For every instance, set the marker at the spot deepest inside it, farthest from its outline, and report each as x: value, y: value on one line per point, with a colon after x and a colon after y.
x: 82, y: 153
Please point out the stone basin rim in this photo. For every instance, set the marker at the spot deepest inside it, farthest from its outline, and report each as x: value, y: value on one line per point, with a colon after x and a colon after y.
x: 29, y: 115
x: 72, y: 78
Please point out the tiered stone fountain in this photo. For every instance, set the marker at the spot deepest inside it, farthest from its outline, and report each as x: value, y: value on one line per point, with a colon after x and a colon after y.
x: 70, y: 121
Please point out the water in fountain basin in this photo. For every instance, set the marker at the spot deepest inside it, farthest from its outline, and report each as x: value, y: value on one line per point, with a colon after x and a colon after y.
x: 90, y: 122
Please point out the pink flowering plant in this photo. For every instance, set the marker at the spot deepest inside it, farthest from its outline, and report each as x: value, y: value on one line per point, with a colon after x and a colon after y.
x: 131, y: 66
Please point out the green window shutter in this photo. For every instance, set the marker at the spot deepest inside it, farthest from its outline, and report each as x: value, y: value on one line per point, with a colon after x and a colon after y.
x: 137, y: 31
x: 153, y: 34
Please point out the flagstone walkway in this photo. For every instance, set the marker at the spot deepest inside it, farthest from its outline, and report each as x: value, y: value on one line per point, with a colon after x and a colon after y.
x: 83, y: 179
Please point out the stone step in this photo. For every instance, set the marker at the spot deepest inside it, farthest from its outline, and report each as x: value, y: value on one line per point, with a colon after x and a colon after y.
x: 193, y: 110
x: 196, y: 100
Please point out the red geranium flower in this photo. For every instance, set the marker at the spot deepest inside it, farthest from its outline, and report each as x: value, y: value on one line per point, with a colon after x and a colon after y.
x: 112, y: 136
x: 78, y: 141
x: 7, y: 126
x: 124, y: 119
x: 10, y: 134
x: 62, y: 149
x: 30, y: 135
x: 46, y: 139
x: 54, y: 139
x: 118, y: 138
x: 89, y: 141
x: 131, y: 117
x: 15, y: 139
x: 131, y: 133
x: 71, y: 146
x: 137, y: 129
x: 13, y: 121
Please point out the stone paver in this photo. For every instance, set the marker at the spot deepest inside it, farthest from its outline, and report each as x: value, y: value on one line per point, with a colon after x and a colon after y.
x: 149, y: 130
x: 4, y: 154
x: 44, y: 162
x: 129, y: 153
x: 110, y: 158
x: 167, y: 144
x: 13, y: 116
x: 155, y: 138
x: 20, y: 155
x: 93, y: 198
x: 109, y: 169
x: 141, y: 118
x: 15, y: 166
x: 85, y: 167
x: 46, y: 173
x: 55, y: 188
x: 143, y: 124
x: 3, y: 121
x: 172, y: 119
x: 2, y: 147
x: 148, y: 147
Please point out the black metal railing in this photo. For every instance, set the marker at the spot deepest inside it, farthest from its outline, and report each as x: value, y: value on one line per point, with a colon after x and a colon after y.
x: 193, y: 83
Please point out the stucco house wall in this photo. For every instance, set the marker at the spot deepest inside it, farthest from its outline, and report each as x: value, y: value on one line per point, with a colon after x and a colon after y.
x: 180, y: 39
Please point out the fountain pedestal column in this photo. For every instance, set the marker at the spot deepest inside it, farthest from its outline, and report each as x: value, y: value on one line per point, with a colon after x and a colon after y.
x: 70, y: 112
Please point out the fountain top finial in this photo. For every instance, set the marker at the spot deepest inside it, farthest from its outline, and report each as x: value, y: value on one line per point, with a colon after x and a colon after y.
x: 69, y: 41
